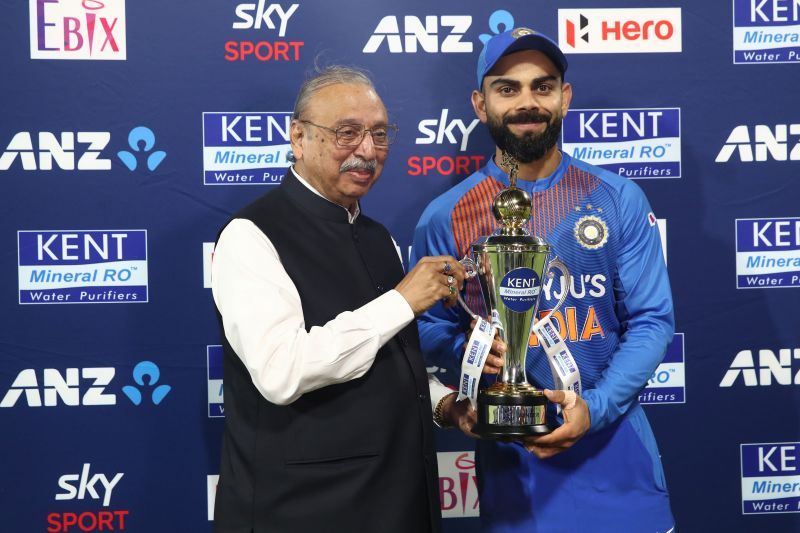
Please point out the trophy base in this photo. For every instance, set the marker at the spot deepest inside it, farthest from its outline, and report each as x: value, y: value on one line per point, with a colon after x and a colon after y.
x: 511, y: 410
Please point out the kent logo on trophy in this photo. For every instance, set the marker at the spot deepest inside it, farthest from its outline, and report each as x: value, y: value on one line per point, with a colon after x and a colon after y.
x: 766, y: 31
x: 69, y: 266
x: 668, y: 382
x: 519, y: 289
x: 635, y: 143
x: 767, y: 253
x: 216, y: 408
x: 246, y: 148
x: 770, y: 479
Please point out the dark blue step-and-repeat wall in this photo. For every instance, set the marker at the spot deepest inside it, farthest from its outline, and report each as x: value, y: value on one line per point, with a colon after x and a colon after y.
x: 131, y: 130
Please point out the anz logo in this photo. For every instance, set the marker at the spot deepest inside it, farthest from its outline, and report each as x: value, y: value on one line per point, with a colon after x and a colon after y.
x: 771, y: 368
x: 778, y: 143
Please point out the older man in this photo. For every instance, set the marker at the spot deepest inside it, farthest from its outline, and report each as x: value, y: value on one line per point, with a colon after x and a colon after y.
x: 327, y: 402
x: 600, y: 470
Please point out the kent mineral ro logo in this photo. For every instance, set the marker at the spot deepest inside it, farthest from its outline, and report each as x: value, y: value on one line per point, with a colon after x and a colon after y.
x: 73, y: 266
x: 214, y: 357
x: 770, y: 478
x: 766, y: 31
x: 668, y: 382
x: 767, y: 253
x: 246, y: 148
x: 635, y: 143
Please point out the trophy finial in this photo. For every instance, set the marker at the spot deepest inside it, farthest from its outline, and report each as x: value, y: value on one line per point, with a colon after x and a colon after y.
x: 512, y: 165
x: 512, y: 206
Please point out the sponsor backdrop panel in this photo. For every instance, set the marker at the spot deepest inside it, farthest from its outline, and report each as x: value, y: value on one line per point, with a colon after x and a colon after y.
x: 130, y: 131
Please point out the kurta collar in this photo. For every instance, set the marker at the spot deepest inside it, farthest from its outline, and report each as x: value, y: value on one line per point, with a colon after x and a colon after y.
x: 309, y: 198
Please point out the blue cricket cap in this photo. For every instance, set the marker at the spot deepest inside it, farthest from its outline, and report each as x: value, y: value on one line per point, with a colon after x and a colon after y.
x: 513, y: 41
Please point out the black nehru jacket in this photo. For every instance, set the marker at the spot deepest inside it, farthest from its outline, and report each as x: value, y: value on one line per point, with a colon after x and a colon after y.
x: 353, y: 457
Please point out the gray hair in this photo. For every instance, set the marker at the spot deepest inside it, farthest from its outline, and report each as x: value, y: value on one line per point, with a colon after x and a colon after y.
x: 324, y: 77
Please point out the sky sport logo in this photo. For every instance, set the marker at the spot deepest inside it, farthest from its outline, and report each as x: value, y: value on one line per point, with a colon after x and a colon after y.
x: 214, y: 355
x: 766, y: 31
x: 770, y: 480
x: 246, y: 148
x: 767, y: 253
x: 668, y: 382
x: 598, y: 31
x: 77, y: 29
x: 70, y: 266
x: 635, y: 143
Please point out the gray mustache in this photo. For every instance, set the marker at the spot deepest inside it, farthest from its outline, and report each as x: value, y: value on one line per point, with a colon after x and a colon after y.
x: 358, y: 164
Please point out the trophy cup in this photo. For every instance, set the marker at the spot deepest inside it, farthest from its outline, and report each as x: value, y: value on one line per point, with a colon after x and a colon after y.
x: 509, y: 265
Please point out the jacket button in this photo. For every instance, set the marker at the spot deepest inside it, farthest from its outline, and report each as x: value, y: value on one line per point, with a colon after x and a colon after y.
x: 423, y: 397
x: 380, y: 288
x: 402, y: 340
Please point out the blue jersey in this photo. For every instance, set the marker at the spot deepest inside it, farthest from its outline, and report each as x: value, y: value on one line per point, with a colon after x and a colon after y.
x: 617, y: 322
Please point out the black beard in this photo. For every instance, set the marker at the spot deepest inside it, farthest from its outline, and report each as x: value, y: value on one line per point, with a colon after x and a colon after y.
x: 530, y: 147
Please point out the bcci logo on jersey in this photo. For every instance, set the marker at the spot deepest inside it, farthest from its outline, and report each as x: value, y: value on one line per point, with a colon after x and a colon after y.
x: 246, y: 148
x: 635, y: 143
x: 766, y: 31
x: 770, y: 481
x: 101, y: 266
x: 214, y: 362
x: 668, y: 382
x: 767, y: 252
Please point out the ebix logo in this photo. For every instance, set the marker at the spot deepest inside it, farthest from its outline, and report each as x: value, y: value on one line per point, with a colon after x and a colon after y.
x: 766, y: 31
x: 77, y: 29
x: 771, y: 368
x: 68, y: 266
x: 767, y: 143
x: 635, y: 143
x: 597, y: 31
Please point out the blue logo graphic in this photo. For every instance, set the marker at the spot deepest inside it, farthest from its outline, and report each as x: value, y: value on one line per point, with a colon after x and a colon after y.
x: 668, y: 382
x: 73, y: 266
x: 635, y: 143
x: 770, y: 482
x: 767, y: 253
x: 146, y: 375
x: 214, y: 355
x: 519, y: 289
x: 141, y: 139
x: 246, y: 148
x: 499, y: 21
x: 766, y: 32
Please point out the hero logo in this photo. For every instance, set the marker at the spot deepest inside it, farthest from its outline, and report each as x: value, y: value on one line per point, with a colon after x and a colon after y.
x: 458, y: 487
x: 443, y: 130
x: 770, y: 143
x: 62, y: 151
x: 80, y: 487
x: 635, y: 143
x: 769, y: 367
x: 770, y: 478
x: 592, y: 31
x: 255, y: 16
x: 77, y: 29
x: 425, y: 36
x: 766, y: 31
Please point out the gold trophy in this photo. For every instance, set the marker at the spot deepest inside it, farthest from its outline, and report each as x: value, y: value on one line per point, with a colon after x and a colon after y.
x: 510, y: 265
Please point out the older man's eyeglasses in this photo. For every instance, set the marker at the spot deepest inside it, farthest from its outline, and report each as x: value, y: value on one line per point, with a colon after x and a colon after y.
x: 349, y: 135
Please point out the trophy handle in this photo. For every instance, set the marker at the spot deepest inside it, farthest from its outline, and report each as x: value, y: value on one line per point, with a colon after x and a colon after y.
x: 559, y: 264
x: 472, y: 270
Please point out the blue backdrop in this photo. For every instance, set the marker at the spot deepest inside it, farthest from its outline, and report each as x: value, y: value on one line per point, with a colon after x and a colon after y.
x: 130, y: 131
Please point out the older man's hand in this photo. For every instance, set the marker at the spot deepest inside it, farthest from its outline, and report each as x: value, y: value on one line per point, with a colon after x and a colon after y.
x: 432, y: 279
